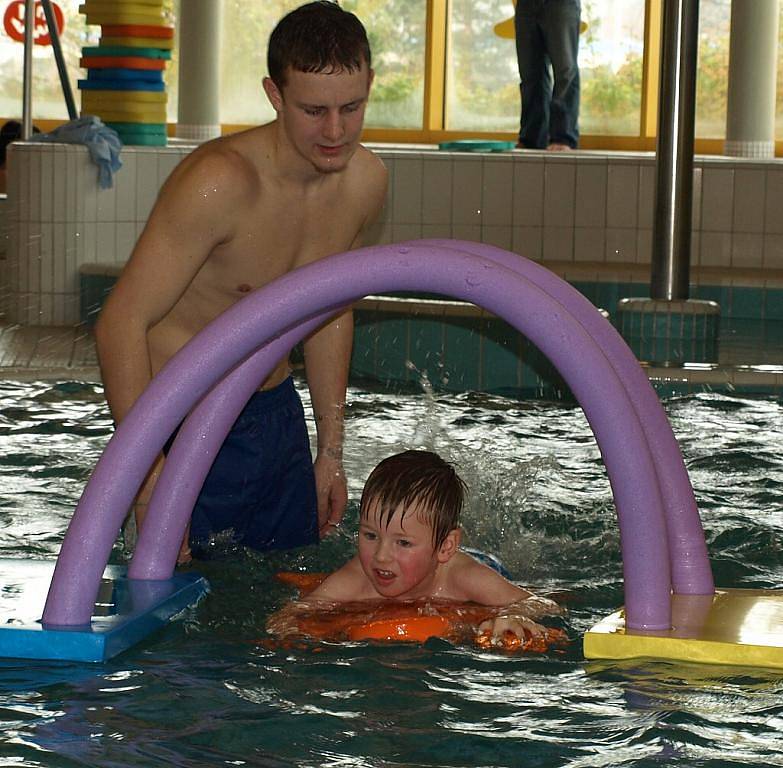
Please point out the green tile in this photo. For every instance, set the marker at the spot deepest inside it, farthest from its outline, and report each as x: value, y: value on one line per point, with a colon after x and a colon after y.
x: 501, y: 358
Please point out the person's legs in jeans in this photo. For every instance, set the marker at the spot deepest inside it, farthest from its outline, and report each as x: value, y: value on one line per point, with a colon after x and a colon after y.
x: 535, y: 82
x: 560, y: 27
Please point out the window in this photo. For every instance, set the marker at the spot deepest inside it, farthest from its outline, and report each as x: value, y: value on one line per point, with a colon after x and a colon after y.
x: 47, y: 100
x: 713, y: 71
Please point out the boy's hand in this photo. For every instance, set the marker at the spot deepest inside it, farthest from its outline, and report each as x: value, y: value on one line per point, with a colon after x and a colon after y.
x: 522, y: 628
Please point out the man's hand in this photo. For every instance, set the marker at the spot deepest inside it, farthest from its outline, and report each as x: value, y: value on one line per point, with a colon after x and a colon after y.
x: 332, y: 493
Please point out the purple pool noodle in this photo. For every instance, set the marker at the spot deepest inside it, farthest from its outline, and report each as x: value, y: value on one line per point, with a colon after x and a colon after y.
x: 690, y: 565
x: 205, y: 430
x: 328, y: 285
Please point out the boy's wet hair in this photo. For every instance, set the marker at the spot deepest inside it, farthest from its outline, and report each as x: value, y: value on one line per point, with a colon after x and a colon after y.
x: 416, y: 477
x: 317, y: 37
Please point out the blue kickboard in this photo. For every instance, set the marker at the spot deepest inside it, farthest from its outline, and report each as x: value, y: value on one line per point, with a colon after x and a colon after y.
x: 126, y: 611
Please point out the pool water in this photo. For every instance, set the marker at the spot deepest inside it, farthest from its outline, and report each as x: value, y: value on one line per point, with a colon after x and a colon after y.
x: 211, y: 689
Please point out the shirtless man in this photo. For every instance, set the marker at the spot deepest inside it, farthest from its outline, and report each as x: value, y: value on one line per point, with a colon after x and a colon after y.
x: 237, y: 213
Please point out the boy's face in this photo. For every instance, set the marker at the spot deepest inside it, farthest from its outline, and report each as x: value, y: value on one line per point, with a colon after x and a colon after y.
x: 322, y: 114
x: 399, y: 560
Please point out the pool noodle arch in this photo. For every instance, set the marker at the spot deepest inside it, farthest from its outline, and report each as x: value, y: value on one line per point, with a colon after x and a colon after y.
x: 207, y: 425
x: 330, y: 284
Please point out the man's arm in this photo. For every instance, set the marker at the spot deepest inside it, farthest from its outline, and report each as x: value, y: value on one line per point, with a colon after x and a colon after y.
x: 181, y: 232
x: 182, y: 229
x: 327, y: 362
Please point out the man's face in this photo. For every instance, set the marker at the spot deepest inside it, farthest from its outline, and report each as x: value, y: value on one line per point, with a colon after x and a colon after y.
x: 323, y: 114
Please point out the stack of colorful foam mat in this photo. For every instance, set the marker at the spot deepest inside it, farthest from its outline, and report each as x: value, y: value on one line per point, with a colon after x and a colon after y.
x: 124, y: 85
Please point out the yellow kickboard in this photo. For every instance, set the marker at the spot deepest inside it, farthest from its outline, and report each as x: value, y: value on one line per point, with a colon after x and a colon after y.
x: 741, y: 627
x: 139, y: 42
x: 112, y: 6
x: 130, y: 115
x: 119, y: 98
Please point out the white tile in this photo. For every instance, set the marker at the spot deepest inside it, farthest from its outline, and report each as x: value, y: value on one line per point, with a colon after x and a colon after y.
x: 698, y: 183
x: 773, y: 205
x: 33, y: 258
x: 644, y: 246
x: 749, y: 200
x: 46, y: 258
x: 590, y: 201
x: 146, y: 185
x: 589, y: 243
x: 528, y: 197
x: 45, y: 314
x: 528, y: 242
x: 59, y: 187
x: 59, y: 316
x: 107, y: 204
x: 106, y: 241
x: 621, y: 245
x: 497, y: 193
x: 773, y: 252
x: 497, y: 236
x: 695, y: 247
x: 125, y: 183
x: 407, y: 205
x: 438, y: 231
x: 622, y: 196
x: 466, y: 194
x: 22, y: 178
x: 46, y: 186
x: 403, y: 232
x: 715, y: 249
x: 73, y: 191
x: 36, y: 189
x: 558, y: 244
x: 747, y: 249
x: 559, y: 195
x: 88, y: 233
x: 125, y: 232
x: 59, y: 247
x: 717, y: 199
x: 379, y: 233
x: 436, y: 191
x: 167, y: 162
x: 470, y: 232
x: 87, y: 176
x: 646, y: 196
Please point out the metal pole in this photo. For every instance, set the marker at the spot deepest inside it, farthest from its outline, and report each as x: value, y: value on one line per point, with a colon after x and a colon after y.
x: 54, y: 35
x: 670, y: 277
x: 27, y: 73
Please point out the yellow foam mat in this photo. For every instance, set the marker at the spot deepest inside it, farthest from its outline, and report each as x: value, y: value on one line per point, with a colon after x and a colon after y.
x: 130, y: 114
x: 139, y: 42
x: 120, y: 98
x: 734, y: 626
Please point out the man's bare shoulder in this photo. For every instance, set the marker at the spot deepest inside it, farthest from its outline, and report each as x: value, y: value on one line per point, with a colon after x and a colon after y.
x: 368, y: 184
x: 221, y: 168
x: 371, y: 172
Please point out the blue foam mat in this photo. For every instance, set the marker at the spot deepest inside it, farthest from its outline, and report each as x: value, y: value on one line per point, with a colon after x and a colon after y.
x: 126, y: 611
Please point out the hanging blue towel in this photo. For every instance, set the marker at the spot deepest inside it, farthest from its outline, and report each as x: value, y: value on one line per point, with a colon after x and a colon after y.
x: 103, y: 143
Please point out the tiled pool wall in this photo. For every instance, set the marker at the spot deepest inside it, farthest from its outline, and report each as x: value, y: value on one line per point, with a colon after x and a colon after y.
x: 585, y: 215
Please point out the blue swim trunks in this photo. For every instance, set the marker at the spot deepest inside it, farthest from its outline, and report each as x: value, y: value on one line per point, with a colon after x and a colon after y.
x: 261, y: 488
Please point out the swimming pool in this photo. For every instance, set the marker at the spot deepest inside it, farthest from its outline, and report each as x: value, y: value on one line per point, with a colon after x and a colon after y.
x: 210, y: 689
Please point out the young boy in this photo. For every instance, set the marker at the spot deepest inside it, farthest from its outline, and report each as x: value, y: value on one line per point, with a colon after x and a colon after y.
x: 408, y: 549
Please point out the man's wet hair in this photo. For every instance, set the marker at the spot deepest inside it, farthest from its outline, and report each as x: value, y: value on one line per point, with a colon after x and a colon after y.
x: 317, y: 37
x: 420, y: 478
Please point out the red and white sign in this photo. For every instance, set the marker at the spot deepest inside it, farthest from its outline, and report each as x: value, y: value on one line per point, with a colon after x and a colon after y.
x: 13, y: 22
